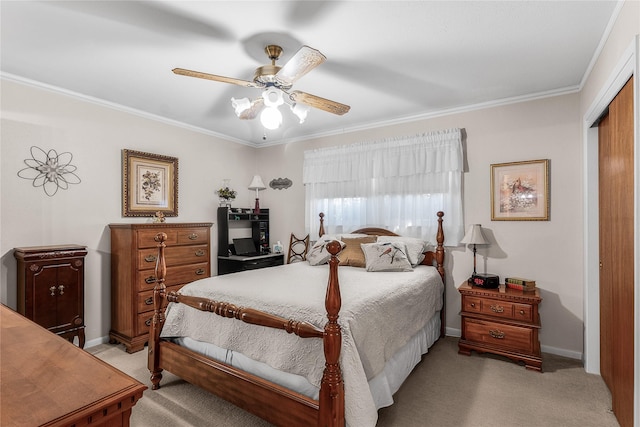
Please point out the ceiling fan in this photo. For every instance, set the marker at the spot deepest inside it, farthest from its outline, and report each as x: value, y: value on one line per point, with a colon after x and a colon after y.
x: 276, y: 82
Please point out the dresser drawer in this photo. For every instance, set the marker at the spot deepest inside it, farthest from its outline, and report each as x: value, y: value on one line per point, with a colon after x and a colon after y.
x: 145, y: 299
x: 193, y: 236
x: 145, y: 318
x: 496, y: 334
x: 146, y: 238
x: 178, y: 275
x: 175, y: 255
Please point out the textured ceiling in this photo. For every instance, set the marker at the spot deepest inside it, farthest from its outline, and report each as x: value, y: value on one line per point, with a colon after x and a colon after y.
x: 391, y: 61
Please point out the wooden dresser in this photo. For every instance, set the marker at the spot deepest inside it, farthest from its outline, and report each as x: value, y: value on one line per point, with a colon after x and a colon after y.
x: 51, y: 288
x: 133, y: 259
x: 501, y: 321
x: 47, y: 381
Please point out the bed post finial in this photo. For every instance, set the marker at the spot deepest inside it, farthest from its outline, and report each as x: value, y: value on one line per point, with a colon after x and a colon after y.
x: 321, y: 229
x: 158, y: 315
x: 331, y: 398
x: 440, y: 245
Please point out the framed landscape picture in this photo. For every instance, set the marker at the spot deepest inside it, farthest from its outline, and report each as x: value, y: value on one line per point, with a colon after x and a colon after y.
x: 149, y: 184
x: 520, y: 191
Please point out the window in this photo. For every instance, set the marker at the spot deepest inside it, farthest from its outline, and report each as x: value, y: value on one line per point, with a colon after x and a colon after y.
x: 396, y: 184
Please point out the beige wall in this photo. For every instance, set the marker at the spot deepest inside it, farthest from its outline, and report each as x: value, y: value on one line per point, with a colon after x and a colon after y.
x: 95, y: 135
x: 548, y: 251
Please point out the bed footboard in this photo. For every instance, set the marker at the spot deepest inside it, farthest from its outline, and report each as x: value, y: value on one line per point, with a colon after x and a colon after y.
x: 263, y: 398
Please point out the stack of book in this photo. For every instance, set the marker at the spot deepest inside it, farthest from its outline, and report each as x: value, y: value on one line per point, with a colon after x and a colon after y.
x: 520, y: 283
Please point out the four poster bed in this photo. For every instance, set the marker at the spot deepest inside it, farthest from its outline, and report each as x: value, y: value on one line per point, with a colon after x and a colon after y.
x: 349, y: 350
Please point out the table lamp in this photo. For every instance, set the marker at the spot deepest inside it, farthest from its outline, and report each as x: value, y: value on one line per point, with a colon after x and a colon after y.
x: 257, y: 184
x: 474, y: 237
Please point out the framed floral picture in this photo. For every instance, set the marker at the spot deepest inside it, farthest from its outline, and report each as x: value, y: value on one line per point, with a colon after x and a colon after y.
x: 149, y: 184
x: 520, y: 191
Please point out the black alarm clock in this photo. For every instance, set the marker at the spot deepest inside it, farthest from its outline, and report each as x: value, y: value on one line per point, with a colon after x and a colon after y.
x: 485, y: 280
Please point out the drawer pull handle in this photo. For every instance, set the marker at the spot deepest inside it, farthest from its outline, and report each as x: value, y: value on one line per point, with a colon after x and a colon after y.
x: 496, y: 334
x: 193, y: 236
x: 53, y: 291
x: 200, y: 271
x: 148, y: 301
x: 151, y: 279
x: 200, y: 252
x: 150, y: 258
x: 148, y: 322
x: 497, y: 309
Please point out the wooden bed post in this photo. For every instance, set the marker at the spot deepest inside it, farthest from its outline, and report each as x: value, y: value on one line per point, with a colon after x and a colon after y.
x: 158, y: 315
x: 331, y: 398
x: 440, y: 266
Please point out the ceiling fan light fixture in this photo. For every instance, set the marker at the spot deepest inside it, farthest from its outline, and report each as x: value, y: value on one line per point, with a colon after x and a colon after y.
x: 272, y: 97
x: 271, y: 118
x: 300, y: 111
x: 240, y: 105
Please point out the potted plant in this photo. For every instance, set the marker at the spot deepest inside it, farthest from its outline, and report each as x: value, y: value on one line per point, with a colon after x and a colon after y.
x: 226, y: 194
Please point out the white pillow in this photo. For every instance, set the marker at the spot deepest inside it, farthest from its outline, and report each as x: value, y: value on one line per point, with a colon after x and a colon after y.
x: 390, y: 256
x: 415, y: 247
x: 318, y: 254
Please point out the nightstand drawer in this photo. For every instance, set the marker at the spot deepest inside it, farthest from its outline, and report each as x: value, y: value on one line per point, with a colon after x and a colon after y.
x: 471, y: 304
x: 507, y: 310
x: 499, y: 335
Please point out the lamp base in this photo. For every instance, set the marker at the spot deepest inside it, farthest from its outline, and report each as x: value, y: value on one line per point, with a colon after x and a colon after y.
x: 256, y: 209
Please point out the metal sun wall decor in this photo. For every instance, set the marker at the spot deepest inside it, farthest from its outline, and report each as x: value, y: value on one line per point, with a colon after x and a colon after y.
x: 280, y: 183
x: 50, y: 170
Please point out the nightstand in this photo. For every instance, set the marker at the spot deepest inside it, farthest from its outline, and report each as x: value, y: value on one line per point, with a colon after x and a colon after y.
x: 501, y: 321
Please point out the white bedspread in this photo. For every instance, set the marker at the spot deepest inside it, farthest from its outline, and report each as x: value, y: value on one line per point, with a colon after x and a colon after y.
x: 380, y: 313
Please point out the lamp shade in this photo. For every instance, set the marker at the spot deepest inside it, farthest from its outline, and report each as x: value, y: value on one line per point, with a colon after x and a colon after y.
x: 256, y: 183
x: 474, y: 236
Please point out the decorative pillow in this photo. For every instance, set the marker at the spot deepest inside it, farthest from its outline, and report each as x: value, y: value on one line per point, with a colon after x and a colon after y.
x: 415, y: 247
x: 390, y: 256
x: 318, y: 254
x: 352, y: 253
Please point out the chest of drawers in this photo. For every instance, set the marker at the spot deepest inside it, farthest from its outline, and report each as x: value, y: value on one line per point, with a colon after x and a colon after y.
x: 133, y: 259
x: 501, y: 321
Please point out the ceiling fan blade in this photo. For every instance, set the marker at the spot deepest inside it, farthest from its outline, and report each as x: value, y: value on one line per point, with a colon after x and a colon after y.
x: 252, y: 112
x: 305, y: 60
x: 317, y: 102
x: 239, y: 82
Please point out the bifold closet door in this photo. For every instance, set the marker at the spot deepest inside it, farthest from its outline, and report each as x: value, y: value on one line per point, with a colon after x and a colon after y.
x: 616, y: 200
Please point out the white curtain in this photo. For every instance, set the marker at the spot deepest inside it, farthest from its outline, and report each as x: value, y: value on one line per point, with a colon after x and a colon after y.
x: 398, y: 184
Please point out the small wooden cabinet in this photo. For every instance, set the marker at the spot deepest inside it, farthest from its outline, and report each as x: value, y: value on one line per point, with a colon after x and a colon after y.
x: 134, y: 252
x: 51, y: 288
x: 501, y: 321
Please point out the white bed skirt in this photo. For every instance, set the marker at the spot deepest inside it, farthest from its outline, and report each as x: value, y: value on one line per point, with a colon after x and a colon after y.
x: 382, y: 386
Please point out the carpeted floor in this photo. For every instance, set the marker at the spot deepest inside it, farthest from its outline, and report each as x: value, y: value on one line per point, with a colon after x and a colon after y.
x: 445, y: 389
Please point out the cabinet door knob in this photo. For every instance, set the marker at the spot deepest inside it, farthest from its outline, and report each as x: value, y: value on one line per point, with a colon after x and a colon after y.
x: 193, y: 236
x: 61, y: 289
x: 473, y: 304
x: 53, y: 291
x: 200, y: 252
x: 150, y: 258
x: 497, y: 308
x: 522, y: 312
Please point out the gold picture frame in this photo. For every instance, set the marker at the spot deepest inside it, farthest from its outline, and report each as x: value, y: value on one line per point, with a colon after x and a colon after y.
x: 520, y: 191
x: 149, y: 184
